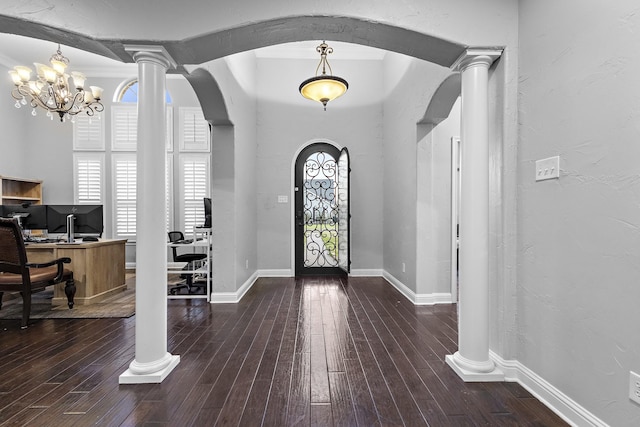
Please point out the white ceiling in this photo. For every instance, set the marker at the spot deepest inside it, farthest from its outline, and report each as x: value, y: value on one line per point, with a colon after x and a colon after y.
x: 18, y: 50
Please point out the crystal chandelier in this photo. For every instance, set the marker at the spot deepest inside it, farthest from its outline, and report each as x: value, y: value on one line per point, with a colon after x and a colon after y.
x: 51, y: 89
x: 324, y: 87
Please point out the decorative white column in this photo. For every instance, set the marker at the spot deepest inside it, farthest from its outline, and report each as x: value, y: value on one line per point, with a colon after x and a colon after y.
x: 472, y: 361
x: 152, y: 362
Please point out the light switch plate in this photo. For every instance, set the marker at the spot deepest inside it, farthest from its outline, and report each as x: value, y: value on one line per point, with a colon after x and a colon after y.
x: 634, y: 387
x: 548, y: 168
x: 283, y: 199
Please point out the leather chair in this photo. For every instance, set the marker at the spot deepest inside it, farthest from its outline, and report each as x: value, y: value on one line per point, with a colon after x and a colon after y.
x: 18, y: 275
x: 189, y: 258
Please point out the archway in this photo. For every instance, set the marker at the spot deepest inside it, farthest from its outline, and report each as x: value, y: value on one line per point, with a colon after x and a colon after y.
x: 435, y: 182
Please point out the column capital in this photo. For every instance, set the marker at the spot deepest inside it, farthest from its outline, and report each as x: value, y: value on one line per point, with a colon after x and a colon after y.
x: 151, y: 53
x: 476, y: 55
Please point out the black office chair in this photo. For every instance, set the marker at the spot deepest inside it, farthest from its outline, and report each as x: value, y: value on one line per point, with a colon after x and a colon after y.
x: 189, y: 258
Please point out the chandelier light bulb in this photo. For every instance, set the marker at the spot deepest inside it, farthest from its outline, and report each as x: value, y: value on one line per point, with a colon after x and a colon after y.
x: 24, y: 73
x: 78, y: 79
x: 15, y: 77
x: 58, y: 66
x: 96, y: 91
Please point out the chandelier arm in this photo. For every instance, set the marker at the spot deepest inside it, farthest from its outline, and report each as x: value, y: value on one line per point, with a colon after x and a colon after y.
x: 51, y: 96
x: 34, y: 101
x: 17, y: 94
x: 77, y: 102
x: 99, y: 108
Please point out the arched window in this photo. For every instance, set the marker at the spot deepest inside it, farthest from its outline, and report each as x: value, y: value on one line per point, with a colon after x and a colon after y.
x: 127, y: 92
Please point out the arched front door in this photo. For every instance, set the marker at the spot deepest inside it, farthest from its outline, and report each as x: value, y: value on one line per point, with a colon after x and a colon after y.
x: 322, y: 211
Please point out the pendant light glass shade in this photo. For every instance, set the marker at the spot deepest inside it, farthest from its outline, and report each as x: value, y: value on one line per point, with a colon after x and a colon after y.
x: 324, y: 87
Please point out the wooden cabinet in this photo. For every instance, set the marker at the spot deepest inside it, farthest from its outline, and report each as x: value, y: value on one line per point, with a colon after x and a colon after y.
x: 15, y: 191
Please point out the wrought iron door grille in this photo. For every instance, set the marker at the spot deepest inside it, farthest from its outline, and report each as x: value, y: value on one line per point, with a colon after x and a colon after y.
x: 320, y: 207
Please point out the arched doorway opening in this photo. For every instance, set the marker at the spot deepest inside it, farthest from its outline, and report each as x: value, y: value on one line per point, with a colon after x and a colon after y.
x: 321, y: 210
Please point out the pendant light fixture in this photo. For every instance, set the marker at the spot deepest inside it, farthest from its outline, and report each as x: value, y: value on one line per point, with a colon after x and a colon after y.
x: 324, y: 87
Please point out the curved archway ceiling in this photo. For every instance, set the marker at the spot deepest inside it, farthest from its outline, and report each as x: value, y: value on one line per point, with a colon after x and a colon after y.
x: 203, y: 48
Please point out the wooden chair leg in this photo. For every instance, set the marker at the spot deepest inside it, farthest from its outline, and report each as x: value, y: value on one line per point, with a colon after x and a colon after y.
x: 70, y: 290
x: 26, y: 309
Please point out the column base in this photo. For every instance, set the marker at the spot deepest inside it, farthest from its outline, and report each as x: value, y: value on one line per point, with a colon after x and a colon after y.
x: 467, y: 375
x: 128, y: 377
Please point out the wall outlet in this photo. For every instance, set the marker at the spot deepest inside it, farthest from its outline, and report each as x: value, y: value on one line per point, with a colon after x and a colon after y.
x: 634, y: 387
x: 548, y: 168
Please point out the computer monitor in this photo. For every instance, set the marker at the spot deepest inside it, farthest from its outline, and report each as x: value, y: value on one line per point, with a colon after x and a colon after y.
x: 31, y: 217
x: 207, y: 212
x: 88, y: 219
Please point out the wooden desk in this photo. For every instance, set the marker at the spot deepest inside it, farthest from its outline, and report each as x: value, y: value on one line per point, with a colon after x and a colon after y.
x: 98, y: 268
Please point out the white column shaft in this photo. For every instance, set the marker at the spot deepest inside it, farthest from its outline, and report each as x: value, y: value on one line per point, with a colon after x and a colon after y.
x: 151, y: 247
x: 474, y: 215
x: 152, y: 361
x: 472, y: 361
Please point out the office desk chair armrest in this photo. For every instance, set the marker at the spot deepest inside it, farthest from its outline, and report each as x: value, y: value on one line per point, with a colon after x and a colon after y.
x: 59, y: 262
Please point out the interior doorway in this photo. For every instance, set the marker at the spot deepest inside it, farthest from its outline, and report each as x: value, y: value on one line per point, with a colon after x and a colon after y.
x: 455, y: 214
x: 322, y: 214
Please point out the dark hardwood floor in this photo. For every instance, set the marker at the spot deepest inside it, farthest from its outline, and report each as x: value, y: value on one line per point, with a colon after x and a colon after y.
x: 313, y: 351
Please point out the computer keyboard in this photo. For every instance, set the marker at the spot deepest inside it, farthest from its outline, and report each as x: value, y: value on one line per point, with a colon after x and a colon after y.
x: 41, y: 240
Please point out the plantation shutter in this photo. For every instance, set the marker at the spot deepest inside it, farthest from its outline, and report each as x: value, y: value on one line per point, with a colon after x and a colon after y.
x: 195, y: 187
x: 88, y: 178
x: 88, y: 133
x: 124, y: 127
x: 124, y: 178
x: 169, y: 192
x: 194, y: 130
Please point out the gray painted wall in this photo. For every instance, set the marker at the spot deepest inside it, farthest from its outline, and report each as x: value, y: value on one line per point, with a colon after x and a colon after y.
x: 284, y: 129
x: 234, y: 177
x: 13, y: 151
x: 404, y: 106
x: 579, y: 243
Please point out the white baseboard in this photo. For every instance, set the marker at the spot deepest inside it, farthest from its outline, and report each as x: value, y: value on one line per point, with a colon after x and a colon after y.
x: 554, y: 399
x: 364, y: 272
x: 417, y: 299
x: 234, y: 297
x: 285, y: 272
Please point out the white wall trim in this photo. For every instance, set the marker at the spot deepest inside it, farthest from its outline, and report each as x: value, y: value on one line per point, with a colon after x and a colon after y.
x: 234, y: 297
x: 417, y: 299
x: 284, y: 272
x: 363, y: 272
x: 554, y: 399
